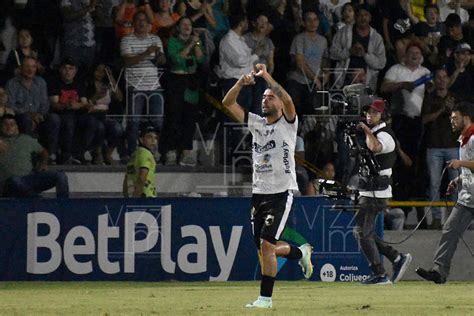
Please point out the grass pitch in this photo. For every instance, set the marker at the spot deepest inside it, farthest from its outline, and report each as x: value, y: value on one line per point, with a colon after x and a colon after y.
x: 229, y: 298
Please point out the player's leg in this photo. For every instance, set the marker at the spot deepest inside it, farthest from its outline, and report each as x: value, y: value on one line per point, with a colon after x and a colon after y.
x: 455, y: 226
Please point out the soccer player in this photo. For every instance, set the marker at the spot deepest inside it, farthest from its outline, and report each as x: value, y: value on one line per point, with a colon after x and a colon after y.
x: 274, y: 177
x: 462, y: 119
x: 140, y: 177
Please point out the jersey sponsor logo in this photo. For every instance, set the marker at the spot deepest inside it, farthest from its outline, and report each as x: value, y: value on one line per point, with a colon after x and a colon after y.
x: 261, y: 149
x: 265, y: 165
x: 286, y: 157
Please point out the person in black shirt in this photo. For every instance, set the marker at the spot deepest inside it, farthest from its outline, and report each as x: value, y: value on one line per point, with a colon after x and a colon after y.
x: 69, y: 107
x: 461, y: 73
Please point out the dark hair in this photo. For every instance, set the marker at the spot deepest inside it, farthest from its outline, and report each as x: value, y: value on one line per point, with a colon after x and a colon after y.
x: 234, y: 20
x: 30, y: 57
x: 305, y: 15
x: 348, y: 4
x: 176, y: 26
x: 452, y: 20
x: 361, y: 7
x: 439, y: 68
x: 138, y: 13
x: 466, y: 109
x: 68, y: 60
x: 431, y: 6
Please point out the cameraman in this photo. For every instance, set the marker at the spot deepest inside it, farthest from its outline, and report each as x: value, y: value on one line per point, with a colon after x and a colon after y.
x: 374, y: 190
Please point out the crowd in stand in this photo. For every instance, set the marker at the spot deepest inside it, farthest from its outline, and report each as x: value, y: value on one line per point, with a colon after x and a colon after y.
x: 80, y: 75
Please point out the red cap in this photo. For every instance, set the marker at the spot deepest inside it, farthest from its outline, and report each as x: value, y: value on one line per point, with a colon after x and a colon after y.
x: 378, y: 105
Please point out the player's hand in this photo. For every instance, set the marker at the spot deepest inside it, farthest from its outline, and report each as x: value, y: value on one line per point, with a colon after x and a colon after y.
x: 454, y: 164
x: 261, y: 70
x: 247, y: 80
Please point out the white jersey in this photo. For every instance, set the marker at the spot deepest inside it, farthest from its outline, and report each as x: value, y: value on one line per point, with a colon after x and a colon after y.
x: 273, y: 154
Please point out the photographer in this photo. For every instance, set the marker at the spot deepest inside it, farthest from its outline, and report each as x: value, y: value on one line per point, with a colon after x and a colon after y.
x: 374, y: 189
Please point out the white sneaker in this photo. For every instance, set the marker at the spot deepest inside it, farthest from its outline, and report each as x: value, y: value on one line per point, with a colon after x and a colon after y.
x: 305, y: 261
x: 170, y: 158
x: 261, y: 302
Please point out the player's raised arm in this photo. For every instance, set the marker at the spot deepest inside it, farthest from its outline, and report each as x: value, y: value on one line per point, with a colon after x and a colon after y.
x: 230, y: 99
x: 288, y: 106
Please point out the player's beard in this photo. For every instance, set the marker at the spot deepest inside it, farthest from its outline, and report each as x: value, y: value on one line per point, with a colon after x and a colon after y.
x: 269, y: 112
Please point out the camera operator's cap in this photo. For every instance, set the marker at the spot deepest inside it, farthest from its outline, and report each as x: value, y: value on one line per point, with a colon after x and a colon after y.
x: 378, y: 105
x: 463, y: 47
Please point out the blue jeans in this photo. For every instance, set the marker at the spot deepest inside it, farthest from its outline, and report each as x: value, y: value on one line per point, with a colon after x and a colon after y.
x: 142, y: 105
x: 436, y: 159
x: 36, y: 182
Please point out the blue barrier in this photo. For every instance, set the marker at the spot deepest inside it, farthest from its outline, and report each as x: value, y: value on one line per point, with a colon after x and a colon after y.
x: 186, y: 239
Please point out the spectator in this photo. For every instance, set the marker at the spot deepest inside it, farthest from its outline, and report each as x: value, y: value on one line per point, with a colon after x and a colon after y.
x: 44, y: 22
x: 102, y: 91
x: 68, y: 109
x: 400, y: 81
x: 308, y: 52
x: 335, y: 8
x: 185, y: 54
x: 140, y: 179
x: 359, y: 46
x: 4, y: 108
x: 7, y: 43
x: 140, y: 52
x: 199, y: 12
x: 407, y: 100
x: 454, y: 36
x: 79, y: 42
x: 220, y: 10
x: 282, y: 35
x: 447, y: 7
x: 24, y: 49
x: 28, y: 97
x: 236, y: 59
x: 124, y: 18
x: 347, y: 16
x: 430, y: 33
x: 19, y: 177
x: 263, y: 47
x: 441, y: 141
x: 461, y: 73
x: 164, y: 20
x: 104, y: 30
x: 398, y: 18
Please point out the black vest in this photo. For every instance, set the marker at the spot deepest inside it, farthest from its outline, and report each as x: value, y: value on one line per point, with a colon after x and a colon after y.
x: 387, y: 160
